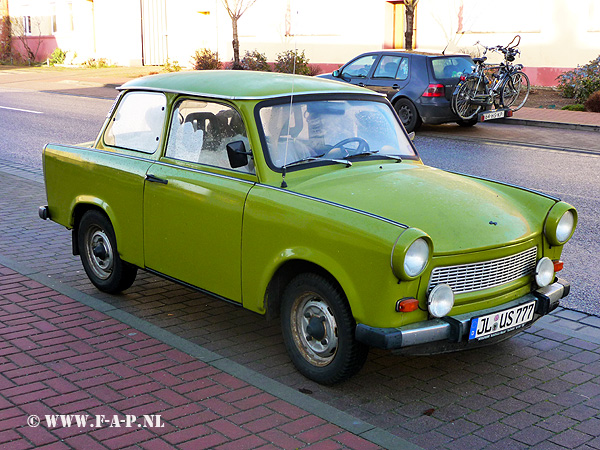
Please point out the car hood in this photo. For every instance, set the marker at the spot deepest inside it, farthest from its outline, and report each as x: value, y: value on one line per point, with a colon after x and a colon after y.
x: 458, y: 212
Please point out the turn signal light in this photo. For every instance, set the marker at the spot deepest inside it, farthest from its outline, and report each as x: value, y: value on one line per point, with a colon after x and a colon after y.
x: 434, y: 90
x: 407, y: 305
x: 558, y: 266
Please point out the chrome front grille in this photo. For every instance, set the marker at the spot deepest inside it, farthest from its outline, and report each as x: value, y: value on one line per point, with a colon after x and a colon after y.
x: 486, y: 274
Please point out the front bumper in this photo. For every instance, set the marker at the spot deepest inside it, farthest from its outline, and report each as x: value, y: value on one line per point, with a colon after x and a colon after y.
x: 451, y: 332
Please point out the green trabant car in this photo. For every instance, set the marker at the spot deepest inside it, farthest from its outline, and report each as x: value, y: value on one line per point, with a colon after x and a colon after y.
x: 305, y: 199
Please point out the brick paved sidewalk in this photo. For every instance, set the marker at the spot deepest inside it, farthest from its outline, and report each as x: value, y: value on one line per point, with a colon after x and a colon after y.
x: 60, y: 357
x: 539, y: 390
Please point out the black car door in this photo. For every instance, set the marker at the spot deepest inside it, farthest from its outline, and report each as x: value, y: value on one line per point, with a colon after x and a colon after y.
x: 391, y: 74
x: 358, y: 71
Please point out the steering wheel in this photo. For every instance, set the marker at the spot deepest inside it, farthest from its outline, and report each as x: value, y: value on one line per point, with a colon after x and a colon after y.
x: 363, y: 147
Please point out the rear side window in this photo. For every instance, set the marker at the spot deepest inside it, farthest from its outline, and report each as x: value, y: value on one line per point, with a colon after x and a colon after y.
x: 451, y: 67
x: 395, y: 67
x: 138, y: 122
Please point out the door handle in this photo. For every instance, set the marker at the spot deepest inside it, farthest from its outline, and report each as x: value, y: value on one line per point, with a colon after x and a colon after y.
x: 154, y: 179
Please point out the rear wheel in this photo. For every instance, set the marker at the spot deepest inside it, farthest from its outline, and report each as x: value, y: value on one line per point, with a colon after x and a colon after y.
x: 461, y: 100
x: 99, y: 255
x: 408, y: 114
x: 515, y: 91
x: 318, y: 330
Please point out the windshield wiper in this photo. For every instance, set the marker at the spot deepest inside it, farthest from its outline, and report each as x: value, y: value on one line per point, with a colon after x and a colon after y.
x: 317, y: 158
x: 376, y: 152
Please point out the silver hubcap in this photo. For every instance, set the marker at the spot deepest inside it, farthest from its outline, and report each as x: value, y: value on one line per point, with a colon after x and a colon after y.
x: 99, y: 252
x: 405, y: 114
x: 314, y: 329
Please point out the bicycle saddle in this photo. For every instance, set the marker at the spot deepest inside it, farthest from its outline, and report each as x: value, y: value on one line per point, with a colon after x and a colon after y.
x: 480, y: 60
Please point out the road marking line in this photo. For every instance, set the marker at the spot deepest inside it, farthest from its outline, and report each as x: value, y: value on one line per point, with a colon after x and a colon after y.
x: 22, y: 110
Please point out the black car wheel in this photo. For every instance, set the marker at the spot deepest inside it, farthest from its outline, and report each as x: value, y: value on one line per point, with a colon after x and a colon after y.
x: 318, y: 330
x: 408, y: 114
x: 99, y: 256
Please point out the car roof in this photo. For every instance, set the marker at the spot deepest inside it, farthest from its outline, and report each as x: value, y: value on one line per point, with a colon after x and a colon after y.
x: 238, y: 84
x: 413, y: 52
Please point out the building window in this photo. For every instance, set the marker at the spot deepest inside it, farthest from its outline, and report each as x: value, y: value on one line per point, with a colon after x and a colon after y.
x: 54, y: 27
x: 27, y: 25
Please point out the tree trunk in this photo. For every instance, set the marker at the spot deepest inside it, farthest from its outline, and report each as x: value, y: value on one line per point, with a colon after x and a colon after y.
x: 408, y: 33
x: 236, y: 43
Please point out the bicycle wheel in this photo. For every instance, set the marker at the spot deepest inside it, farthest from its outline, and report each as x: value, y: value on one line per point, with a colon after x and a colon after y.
x: 462, y: 97
x: 515, y: 91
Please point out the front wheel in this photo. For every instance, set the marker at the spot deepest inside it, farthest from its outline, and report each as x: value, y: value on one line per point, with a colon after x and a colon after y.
x: 318, y: 330
x: 408, y: 114
x: 515, y: 91
x: 99, y: 256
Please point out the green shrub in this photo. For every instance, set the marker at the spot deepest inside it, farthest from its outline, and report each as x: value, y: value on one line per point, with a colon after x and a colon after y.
x: 206, y: 59
x: 576, y: 107
x: 171, y: 66
x: 255, y: 61
x: 592, y: 104
x: 285, y: 63
x: 57, y: 57
x: 581, y: 82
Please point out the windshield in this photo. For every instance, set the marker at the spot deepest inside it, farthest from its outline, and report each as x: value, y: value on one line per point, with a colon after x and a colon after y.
x: 331, y: 129
x: 451, y: 67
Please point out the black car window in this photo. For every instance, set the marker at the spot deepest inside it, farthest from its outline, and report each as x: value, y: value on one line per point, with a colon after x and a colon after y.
x: 359, y: 67
x: 451, y: 67
x: 391, y: 66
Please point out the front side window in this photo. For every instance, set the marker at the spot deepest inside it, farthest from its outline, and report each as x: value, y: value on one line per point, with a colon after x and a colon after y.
x: 325, y: 129
x: 138, y: 122
x: 201, y: 130
x: 359, y: 68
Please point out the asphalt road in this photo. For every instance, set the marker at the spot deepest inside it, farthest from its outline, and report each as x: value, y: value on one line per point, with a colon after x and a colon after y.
x: 31, y: 119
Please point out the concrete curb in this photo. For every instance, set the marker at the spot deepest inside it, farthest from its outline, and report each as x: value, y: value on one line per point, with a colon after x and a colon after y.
x: 546, y: 124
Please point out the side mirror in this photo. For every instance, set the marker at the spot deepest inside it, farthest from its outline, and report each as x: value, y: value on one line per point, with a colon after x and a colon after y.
x: 237, y: 154
x: 336, y: 73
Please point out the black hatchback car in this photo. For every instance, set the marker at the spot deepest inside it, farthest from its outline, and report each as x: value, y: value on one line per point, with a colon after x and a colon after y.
x: 418, y: 84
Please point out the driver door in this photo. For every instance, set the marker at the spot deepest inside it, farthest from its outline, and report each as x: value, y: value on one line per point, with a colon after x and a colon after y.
x: 358, y: 71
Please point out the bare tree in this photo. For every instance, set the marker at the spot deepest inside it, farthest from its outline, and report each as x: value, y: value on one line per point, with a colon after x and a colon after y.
x: 235, y: 9
x: 409, y: 8
x: 19, y: 31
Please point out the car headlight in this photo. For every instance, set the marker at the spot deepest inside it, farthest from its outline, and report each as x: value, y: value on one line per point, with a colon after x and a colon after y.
x: 565, y: 227
x: 440, y: 300
x: 544, y: 272
x: 411, y: 254
x: 417, y: 257
x: 560, y: 223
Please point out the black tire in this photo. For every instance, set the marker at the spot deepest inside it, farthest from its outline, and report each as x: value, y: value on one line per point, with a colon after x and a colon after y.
x: 461, y: 100
x: 467, y: 123
x: 408, y: 114
x: 318, y: 330
x: 99, y: 255
x: 515, y: 91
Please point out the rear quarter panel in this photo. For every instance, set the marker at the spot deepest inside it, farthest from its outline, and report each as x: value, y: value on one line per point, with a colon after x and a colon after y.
x: 85, y: 177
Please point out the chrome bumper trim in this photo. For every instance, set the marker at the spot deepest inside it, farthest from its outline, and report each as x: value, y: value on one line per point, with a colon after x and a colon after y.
x: 456, y: 328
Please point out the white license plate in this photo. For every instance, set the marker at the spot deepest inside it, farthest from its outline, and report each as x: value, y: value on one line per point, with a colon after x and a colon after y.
x: 501, y: 322
x: 493, y: 115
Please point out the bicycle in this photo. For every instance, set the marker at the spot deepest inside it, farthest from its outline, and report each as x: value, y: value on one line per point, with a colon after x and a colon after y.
x: 507, y: 86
